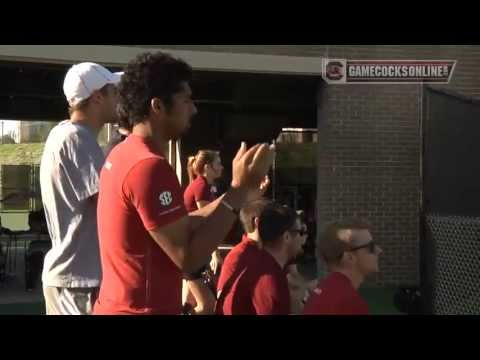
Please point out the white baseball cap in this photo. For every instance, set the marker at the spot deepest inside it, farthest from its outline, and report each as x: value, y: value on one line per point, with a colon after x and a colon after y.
x: 85, y: 78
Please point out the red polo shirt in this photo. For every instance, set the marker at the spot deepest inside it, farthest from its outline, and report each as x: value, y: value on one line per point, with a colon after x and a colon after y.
x: 335, y: 295
x: 198, y: 190
x: 260, y: 289
x: 139, y: 191
x: 243, y: 254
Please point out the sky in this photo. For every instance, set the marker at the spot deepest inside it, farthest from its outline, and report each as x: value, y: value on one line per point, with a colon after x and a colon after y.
x: 8, y: 126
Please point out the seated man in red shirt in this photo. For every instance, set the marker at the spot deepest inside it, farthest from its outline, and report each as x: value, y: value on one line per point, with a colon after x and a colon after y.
x: 244, y: 254
x: 147, y: 240
x: 262, y: 287
x: 351, y: 255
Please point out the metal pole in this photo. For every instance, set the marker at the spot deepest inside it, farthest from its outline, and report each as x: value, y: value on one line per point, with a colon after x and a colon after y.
x: 273, y: 171
x: 109, y: 132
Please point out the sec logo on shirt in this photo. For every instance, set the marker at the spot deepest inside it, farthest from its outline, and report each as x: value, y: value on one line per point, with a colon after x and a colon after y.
x: 165, y: 198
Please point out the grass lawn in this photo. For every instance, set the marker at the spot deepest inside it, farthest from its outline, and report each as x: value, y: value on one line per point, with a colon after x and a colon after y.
x: 21, y: 154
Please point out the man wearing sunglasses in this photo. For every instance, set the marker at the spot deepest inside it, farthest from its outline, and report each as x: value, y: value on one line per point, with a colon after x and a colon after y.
x: 300, y: 286
x: 262, y: 287
x: 351, y: 255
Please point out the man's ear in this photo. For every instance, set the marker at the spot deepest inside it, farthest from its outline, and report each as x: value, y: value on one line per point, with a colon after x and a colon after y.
x: 287, y: 237
x: 256, y: 221
x: 96, y: 97
x: 348, y: 257
x: 157, y: 106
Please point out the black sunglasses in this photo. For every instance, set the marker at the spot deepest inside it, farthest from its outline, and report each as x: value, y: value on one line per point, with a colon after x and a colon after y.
x: 300, y: 232
x: 371, y: 246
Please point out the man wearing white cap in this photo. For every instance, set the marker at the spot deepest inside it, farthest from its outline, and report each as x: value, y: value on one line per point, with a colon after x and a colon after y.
x: 69, y: 174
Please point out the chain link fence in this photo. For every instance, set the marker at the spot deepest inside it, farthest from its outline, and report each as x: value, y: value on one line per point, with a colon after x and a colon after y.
x: 454, y: 262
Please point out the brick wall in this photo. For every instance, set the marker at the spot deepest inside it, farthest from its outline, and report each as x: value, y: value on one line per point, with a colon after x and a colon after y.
x: 369, y: 166
x: 370, y: 151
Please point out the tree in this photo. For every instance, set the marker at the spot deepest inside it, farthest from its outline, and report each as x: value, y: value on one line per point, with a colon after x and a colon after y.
x: 39, y: 132
x: 6, y: 139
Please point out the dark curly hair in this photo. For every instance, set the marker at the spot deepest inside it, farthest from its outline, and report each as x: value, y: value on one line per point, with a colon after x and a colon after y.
x: 123, y: 118
x: 148, y: 76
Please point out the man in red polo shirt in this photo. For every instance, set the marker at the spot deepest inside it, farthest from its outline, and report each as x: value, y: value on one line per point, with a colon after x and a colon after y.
x: 148, y: 242
x: 261, y: 288
x: 351, y: 255
x: 244, y: 254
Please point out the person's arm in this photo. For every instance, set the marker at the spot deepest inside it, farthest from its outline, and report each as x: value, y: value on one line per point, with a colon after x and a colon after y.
x: 299, y: 288
x: 204, y: 297
x: 216, y: 259
x: 293, y: 275
x: 198, y: 216
x: 297, y: 280
x: 202, y: 203
x: 190, y: 245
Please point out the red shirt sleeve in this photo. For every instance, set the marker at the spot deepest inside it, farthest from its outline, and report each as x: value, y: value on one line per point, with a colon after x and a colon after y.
x: 269, y: 297
x: 227, y: 270
x: 153, y: 189
x: 202, y: 192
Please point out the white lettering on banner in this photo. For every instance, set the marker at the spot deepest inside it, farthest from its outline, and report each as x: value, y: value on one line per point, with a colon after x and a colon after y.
x: 397, y: 71
x: 352, y: 71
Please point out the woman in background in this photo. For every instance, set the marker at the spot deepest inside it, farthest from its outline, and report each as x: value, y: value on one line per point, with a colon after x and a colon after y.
x: 203, y: 169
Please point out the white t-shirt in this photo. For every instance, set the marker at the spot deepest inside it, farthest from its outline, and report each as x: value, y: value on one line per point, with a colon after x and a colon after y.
x: 69, y: 179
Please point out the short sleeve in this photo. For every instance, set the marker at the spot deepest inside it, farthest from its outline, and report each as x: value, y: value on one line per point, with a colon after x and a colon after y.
x: 202, y: 192
x: 81, y: 161
x: 153, y: 189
